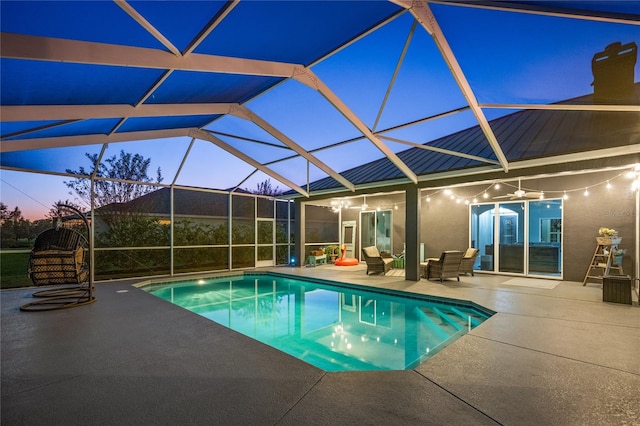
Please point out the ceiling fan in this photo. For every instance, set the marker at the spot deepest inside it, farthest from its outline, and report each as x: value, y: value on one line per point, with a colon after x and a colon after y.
x: 520, y: 193
x: 363, y: 206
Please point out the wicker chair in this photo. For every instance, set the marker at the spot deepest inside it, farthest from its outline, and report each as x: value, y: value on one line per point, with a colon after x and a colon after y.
x: 377, y: 262
x: 60, y: 257
x: 446, y: 267
x: 469, y: 258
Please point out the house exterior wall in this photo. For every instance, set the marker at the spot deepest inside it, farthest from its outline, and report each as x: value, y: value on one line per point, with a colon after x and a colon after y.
x: 445, y: 223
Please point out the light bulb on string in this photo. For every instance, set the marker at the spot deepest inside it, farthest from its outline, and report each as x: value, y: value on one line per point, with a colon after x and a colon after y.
x: 608, y: 185
x: 586, y: 192
x: 497, y: 186
x: 485, y: 195
x: 565, y: 196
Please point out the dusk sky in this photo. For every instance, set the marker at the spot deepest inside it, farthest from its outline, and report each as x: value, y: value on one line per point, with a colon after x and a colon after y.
x: 507, y: 58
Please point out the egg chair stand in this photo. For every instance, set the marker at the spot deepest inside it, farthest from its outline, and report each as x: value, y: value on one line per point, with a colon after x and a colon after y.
x: 60, y: 257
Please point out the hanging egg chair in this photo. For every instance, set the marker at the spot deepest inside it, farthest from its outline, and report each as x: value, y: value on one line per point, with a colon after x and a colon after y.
x: 60, y: 257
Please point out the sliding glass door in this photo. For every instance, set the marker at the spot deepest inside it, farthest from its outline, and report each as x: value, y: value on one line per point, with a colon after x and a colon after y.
x: 523, y: 237
x: 375, y: 229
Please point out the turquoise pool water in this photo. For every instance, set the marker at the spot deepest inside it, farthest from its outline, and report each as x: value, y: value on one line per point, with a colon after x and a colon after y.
x: 336, y: 327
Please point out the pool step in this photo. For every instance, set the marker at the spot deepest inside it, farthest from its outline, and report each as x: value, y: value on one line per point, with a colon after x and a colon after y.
x: 431, y: 324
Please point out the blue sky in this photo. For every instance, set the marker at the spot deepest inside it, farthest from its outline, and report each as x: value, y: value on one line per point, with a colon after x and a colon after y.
x: 507, y: 58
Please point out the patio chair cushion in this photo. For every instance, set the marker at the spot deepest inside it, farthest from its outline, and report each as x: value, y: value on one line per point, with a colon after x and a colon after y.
x: 446, y: 267
x: 469, y: 258
x: 376, y: 262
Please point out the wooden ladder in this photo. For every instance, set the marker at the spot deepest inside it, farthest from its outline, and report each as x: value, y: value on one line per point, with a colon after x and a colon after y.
x: 602, y: 263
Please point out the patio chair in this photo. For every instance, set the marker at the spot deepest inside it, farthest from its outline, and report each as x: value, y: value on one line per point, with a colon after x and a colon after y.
x: 377, y: 262
x: 446, y: 267
x: 469, y: 258
x: 60, y: 257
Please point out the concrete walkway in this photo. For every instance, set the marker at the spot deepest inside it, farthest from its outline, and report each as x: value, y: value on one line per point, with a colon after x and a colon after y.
x: 548, y: 357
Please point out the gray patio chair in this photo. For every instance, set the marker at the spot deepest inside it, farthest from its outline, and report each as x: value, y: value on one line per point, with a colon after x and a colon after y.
x: 377, y: 262
x: 447, y: 266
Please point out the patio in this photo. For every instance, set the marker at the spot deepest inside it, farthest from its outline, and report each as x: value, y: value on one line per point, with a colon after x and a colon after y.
x: 549, y: 356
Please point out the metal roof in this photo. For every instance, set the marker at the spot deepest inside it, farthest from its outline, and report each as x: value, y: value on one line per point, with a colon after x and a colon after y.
x: 92, y: 73
x: 524, y: 135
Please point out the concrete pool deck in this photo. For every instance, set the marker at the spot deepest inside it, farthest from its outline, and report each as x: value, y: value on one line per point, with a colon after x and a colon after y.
x: 555, y: 356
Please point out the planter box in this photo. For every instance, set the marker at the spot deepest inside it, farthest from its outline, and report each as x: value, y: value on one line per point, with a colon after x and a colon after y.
x: 616, y: 289
x: 609, y: 240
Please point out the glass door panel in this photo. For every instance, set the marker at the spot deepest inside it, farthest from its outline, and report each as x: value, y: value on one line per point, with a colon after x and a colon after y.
x: 482, y: 232
x: 545, y: 237
x: 367, y: 229
x: 511, y: 237
x: 383, y: 231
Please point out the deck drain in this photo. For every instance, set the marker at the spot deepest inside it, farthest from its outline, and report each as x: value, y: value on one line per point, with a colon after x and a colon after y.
x: 122, y: 291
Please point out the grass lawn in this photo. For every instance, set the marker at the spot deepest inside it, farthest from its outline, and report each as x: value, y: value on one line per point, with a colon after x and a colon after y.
x: 13, y: 270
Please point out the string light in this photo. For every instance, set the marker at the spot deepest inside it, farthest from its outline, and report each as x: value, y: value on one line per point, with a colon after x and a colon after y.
x: 631, y: 174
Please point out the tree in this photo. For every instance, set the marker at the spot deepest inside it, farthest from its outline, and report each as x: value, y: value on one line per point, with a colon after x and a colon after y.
x: 4, y: 213
x: 54, y: 211
x: 126, y: 176
x: 121, y: 179
x: 13, y: 226
x: 265, y: 188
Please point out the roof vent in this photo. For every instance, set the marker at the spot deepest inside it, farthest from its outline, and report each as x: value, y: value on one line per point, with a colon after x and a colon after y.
x: 613, y: 74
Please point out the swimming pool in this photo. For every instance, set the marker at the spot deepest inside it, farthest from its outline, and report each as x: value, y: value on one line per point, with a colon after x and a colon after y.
x: 334, y: 326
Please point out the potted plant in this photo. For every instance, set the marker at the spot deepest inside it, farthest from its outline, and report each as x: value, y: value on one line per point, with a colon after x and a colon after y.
x: 618, y: 254
x: 608, y: 236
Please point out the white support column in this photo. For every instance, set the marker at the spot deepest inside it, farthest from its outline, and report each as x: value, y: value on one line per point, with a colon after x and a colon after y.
x: 206, y: 136
x: 147, y: 26
x: 422, y: 12
x: 171, y: 229
x: 245, y: 113
x: 308, y: 78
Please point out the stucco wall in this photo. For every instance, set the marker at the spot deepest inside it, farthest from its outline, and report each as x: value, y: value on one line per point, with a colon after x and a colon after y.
x: 445, y: 223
